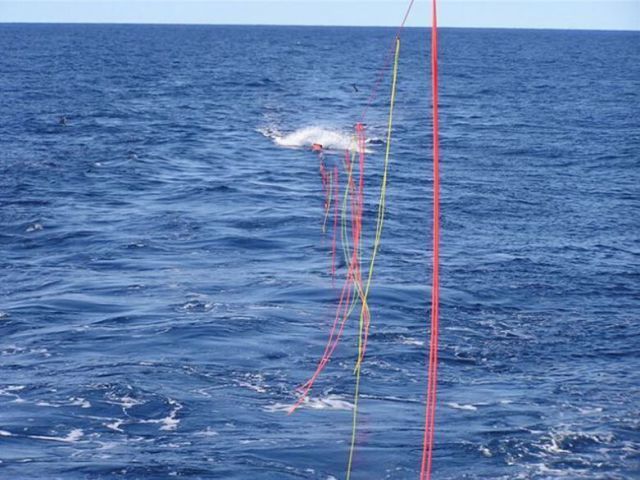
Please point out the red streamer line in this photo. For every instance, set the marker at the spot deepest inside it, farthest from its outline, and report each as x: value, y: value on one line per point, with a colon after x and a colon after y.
x: 353, y: 278
x: 326, y: 187
x: 362, y: 143
x: 354, y: 275
x: 336, y: 199
x: 387, y: 62
x: 430, y: 409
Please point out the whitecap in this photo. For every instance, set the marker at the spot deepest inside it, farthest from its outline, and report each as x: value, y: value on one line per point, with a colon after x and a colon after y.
x: 485, y: 452
x: 73, y: 436
x: 253, y: 382
x: 554, y: 446
x: 80, y: 402
x: 10, y: 390
x: 73, y: 402
x: 590, y: 410
x: 115, y: 426
x: 170, y: 422
x: 125, y: 402
x: 330, y: 402
x: 459, y: 406
x: 411, y: 341
x: 34, y: 227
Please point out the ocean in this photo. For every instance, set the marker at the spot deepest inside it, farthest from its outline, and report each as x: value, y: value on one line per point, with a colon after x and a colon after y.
x: 165, y: 281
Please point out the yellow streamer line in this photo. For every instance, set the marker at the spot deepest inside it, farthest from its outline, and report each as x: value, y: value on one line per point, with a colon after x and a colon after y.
x: 379, y: 224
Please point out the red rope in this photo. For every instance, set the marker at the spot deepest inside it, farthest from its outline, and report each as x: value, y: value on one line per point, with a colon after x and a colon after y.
x: 336, y: 198
x: 387, y: 62
x: 430, y: 409
x: 362, y: 144
x: 357, y: 203
x: 352, y: 279
x: 326, y: 187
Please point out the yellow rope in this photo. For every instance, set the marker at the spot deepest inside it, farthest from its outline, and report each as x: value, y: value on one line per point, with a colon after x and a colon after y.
x: 376, y: 244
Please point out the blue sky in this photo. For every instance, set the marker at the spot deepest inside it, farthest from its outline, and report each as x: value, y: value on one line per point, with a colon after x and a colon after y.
x: 586, y: 14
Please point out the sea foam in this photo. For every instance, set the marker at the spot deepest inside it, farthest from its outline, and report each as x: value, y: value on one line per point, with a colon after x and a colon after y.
x: 329, y: 138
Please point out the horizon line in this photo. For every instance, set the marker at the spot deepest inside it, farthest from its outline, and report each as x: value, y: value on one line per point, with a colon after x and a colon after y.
x: 195, y: 24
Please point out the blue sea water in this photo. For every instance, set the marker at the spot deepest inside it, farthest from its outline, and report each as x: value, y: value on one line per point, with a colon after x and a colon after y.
x: 165, y: 283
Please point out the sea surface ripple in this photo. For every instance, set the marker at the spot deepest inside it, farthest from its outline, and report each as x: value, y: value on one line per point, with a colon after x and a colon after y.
x: 165, y: 283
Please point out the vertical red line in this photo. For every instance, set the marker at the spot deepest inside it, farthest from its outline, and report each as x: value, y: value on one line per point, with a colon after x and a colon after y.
x: 362, y: 139
x: 427, y: 450
x: 336, y: 196
x: 323, y: 176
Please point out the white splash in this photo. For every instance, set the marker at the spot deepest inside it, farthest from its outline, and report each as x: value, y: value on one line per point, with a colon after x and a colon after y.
x: 330, y: 139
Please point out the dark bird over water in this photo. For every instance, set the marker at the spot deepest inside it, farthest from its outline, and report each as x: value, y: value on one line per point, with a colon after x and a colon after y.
x: 355, y: 87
